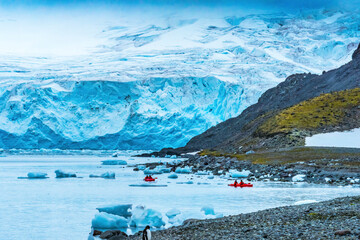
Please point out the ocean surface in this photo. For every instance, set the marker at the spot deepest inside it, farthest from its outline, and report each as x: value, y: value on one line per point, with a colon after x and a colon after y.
x: 63, y: 208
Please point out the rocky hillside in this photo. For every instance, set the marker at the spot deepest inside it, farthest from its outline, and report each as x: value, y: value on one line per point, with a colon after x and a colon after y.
x: 302, y: 105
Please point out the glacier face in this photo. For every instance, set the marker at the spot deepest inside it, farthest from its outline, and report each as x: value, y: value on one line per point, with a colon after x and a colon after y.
x: 159, y: 82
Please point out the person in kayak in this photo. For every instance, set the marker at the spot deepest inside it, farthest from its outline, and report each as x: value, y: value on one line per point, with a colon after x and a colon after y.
x: 235, y: 183
x: 241, y: 182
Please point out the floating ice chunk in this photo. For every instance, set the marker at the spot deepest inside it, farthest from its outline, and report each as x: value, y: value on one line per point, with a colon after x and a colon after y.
x: 142, y: 217
x: 305, y: 202
x: 210, y: 177
x: 105, y: 220
x: 172, y: 213
x: 327, y: 179
x: 149, y: 171
x: 177, y: 220
x: 202, y: 173
x: 173, y: 176
x: 237, y: 174
x: 167, y: 156
x: 298, y: 178
x: 141, y: 167
x: 188, y: 182
x: 208, y: 210
x: 176, y: 161
x: 186, y: 169
x: 123, y: 210
x: 173, y: 157
x: 37, y: 175
x: 62, y: 174
x: 107, y: 175
x: 114, y: 162
x: 147, y: 185
x: 152, y: 156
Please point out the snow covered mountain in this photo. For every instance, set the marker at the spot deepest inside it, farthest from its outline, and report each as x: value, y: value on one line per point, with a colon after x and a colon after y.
x: 158, y: 82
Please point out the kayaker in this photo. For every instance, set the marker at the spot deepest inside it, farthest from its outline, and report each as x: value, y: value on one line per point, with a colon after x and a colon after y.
x: 241, y: 182
x: 235, y: 183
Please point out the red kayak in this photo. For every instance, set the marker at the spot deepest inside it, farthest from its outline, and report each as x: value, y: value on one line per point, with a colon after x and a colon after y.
x: 241, y: 185
x: 149, y: 179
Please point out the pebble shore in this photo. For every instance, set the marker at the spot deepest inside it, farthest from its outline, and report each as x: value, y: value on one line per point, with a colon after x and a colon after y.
x: 334, y: 219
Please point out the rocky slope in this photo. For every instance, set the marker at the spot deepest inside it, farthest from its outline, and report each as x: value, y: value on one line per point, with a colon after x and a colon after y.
x: 285, y: 114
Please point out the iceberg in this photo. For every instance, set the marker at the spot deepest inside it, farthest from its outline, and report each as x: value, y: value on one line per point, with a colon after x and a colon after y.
x: 185, y: 170
x: 37, y: 175
x: 208, y: 210
x: 173, y: 176
x: 172, y: 213
x: 123, y: 210
x: 107, y: 175
x: 157, y: 170
x: 142, y: 217
x: 237, y: 174
x: 141, y: 167
x: 62, y: 174
x: 298, y: 178
x: 105, y: 220
x: 114, y: 162
x: 202, y: 173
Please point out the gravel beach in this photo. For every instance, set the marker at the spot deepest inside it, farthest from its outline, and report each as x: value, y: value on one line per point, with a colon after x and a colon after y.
x: 334, y: 219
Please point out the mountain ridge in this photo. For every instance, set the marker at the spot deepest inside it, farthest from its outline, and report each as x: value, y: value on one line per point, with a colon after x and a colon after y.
x: 239, y: 134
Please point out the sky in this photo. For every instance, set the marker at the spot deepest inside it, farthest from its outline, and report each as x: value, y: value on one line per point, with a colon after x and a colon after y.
x: 70, y: 28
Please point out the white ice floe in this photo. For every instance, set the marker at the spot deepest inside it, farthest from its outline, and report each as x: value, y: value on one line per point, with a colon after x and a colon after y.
x: 105, y: 220
x: 123, y: 210
x: 298, y: 178
x: 142, y: 217
x: 208, y: 210
x: 173, y: 176
x: 37, y: 175
x: 237, y: 174
x: 185, y: 169
x: 114, y: 162
x: 107, y: 175
x: 62, y: 174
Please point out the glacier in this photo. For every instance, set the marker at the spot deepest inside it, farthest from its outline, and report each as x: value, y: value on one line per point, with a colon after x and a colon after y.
x: 158, y: 83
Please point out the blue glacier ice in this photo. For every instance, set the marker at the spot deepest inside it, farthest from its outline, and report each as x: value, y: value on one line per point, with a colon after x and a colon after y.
x: 142, y: 217
x: 123, y: 210
x: 173, y: 176
x: 114, y: 162
x: 157, y: 82
x: 37, y: 175
x: 185, y: 170
x: 107, y: 175
x: 105, y: 220
x: 208, y: 210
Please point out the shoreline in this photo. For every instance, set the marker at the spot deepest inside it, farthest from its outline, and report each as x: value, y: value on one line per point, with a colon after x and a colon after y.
x: 340, y: 171
x: 334, y: 219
